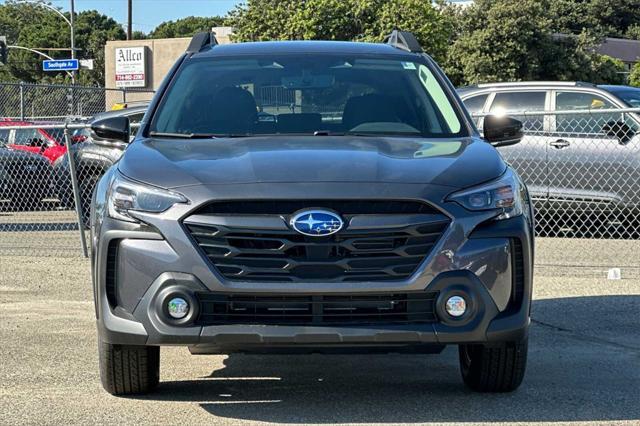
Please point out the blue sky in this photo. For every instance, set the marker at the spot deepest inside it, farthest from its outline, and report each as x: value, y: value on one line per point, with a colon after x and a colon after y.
x: 147, y: 14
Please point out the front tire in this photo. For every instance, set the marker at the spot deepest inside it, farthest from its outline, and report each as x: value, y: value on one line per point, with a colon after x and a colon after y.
x: 495, y: 368
x: 126, y: 370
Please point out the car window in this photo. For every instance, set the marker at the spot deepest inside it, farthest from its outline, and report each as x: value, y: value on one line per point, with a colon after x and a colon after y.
x: 303, y: 94
x: 581, y: 123
x: 135, y: 119
x: 629, y: 95
x: 4, y: 135
x: 475, y: 104
x: 29, y: 137
x: 513, y: 102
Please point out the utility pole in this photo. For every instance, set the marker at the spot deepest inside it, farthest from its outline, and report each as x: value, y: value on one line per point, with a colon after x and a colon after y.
x: 73, y: 40
x: 129, y: 24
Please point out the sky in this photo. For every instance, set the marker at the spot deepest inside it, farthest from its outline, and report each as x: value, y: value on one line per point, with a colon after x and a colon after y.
x: 147, y: 14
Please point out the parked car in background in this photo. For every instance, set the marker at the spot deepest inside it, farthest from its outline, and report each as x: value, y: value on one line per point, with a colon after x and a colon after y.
x: 92, y: 158
x: 48, y: 143
x: 24, y: 179
x: 571, y: 162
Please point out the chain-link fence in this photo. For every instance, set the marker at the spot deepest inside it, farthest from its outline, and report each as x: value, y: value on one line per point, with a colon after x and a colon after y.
x: 29, y: 102
x: 582, y: 169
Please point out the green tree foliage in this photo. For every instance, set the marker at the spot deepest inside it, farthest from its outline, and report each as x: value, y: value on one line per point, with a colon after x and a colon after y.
x: 634, y: 77
x: 362, y: 20
x: 36, y: 27
x: 633, y: 32
x: 502, y: 40
x: 186, y: 27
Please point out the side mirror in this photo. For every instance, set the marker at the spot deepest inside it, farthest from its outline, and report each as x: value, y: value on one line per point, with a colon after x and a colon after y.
x: 502, y: 131
x: 114, y: 129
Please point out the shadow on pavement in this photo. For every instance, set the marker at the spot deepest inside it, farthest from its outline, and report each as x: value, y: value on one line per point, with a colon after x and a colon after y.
x: 584, y: 365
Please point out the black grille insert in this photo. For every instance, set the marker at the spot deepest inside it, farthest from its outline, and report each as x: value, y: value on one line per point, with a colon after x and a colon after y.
x: 287, y: 256
x: 517, y: 291
x: 336, y: 309
x: 111, y: 272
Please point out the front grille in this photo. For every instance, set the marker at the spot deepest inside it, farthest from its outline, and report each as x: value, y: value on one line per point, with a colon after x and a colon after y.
x: 261, y: 247
x: 216, y: 309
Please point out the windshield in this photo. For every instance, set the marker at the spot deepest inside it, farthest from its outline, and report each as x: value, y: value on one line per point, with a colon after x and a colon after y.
x: 306, y: 95
x: 628, y: 95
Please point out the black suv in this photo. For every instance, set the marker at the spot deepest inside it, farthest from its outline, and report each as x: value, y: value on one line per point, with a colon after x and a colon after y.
x: 92, y: 158
x: 311, y: 197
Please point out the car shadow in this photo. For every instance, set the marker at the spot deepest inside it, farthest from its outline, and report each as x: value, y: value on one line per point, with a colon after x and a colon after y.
x: 580, y: 357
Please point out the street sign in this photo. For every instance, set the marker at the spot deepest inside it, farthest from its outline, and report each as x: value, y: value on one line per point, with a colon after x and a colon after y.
x: 86, y: 64
x: 131, y: 67
x: 60, y: 65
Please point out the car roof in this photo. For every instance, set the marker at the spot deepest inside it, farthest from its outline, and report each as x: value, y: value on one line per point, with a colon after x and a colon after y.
x: 10, y: 122
x: 617, y: 87
x: 120, y: 112
x: 524, y: 85
x: 299, y: 46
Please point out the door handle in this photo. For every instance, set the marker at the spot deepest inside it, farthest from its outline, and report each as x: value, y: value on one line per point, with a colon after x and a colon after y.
x: 560, y: 143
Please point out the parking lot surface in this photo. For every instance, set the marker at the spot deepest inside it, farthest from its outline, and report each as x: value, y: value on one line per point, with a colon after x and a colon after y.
x: 584, y: 359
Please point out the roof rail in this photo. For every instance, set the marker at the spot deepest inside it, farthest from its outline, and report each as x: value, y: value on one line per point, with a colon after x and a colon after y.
x: 202, y: 40
x: 403, y: 40
x: 536, y: 83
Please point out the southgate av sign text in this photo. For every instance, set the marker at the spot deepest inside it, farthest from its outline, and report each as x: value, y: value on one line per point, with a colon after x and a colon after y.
x: 131, y: 67
x: 60, y: 65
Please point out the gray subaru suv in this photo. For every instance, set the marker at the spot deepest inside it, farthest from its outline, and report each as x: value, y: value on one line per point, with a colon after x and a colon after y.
x: 302, y: 197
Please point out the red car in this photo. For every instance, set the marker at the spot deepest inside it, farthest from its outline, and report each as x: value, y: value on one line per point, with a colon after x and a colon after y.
x: 48, y: 143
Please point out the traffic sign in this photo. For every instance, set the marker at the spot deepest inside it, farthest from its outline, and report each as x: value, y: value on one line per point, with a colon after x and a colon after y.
x: 61, y: 65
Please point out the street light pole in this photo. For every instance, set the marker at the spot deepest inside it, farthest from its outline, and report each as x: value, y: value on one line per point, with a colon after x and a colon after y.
x: 73, y: 40
x: 129, y: 15
x: 69, y: 22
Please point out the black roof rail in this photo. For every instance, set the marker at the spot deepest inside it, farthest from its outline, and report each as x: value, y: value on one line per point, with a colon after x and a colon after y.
x: 202, y: 40
x: 403, y: 40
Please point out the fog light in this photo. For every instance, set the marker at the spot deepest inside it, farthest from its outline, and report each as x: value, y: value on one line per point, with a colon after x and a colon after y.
x: 178, y: 308
x: 456, y: 306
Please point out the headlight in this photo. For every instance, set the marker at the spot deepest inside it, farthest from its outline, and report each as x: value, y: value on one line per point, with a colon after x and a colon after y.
x: 126, y: 196
x: 506, y: 194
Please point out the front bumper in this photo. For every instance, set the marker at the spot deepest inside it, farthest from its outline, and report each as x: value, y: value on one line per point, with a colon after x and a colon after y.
x: 475, y: 257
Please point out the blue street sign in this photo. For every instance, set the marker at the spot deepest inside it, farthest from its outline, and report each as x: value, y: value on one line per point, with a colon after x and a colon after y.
x: 61, y: 65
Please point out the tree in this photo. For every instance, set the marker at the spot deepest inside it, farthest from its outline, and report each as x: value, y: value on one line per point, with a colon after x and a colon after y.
x: 431, y: 27
x: 32, y: 26
x: 634, y: 77
x: 362, y: 20
x: 93, y: 30
x: 502, y: 40
x: 633, y: 32
x: 186, y: 27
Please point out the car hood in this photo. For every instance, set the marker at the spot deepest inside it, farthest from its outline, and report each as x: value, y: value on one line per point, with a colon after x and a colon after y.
x: 9, y: 154
x: 171, y: 163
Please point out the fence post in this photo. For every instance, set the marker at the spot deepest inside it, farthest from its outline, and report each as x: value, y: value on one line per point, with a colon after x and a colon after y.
x: 21, y: 101
x: 76, y: 190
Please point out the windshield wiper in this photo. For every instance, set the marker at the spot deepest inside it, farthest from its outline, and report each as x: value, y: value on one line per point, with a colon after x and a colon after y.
x: 199, y: 135
x: 182, y: 135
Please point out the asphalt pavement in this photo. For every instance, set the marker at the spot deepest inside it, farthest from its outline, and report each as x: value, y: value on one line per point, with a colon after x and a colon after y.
x: 584, y: 360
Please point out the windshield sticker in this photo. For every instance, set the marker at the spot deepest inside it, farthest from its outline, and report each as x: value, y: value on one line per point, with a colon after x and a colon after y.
x: 408, y: 65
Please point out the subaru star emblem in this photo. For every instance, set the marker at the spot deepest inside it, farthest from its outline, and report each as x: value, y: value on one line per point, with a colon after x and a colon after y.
x: 316, y: 223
